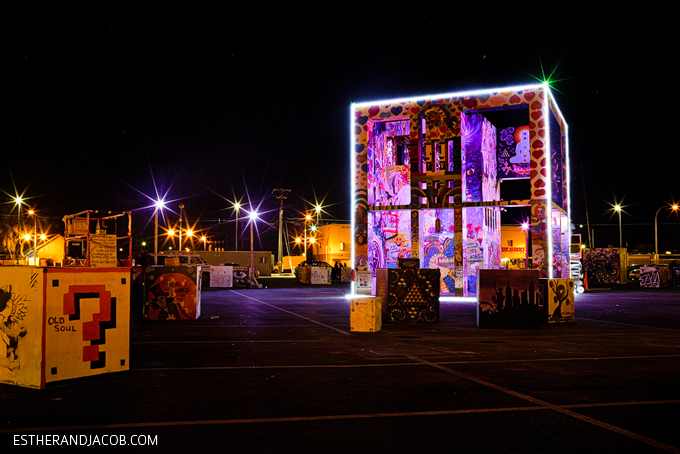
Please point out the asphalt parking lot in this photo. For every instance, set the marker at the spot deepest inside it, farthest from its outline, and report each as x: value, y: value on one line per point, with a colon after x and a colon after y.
x: 277, y: 370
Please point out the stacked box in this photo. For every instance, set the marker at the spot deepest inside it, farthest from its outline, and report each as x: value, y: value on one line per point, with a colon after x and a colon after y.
x: 345, y: 274
x: 364, y: 282
x: 321, y: 275
x: 508, y: 299
x: 557, y: 300
x: 63, y: 323
x: 655, y: 276
x: 172, y: 292
x: 409, y: 263
x: 365, y: 314
x: 221, y: 276
x: 241, y: 276
x: 305, y: 273
x: 410, y: 295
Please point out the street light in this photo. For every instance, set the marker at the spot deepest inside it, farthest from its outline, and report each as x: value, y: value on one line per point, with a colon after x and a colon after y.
x: 35, y: 237
x: 204, y: 239
x: 159, y: 205
x: 618, y: 208
x: 253, y: 217
x: 656, y: 235
x: 318, y: 212
x: 237, y: 206
x: 525, y: 227
x: 307, y: 218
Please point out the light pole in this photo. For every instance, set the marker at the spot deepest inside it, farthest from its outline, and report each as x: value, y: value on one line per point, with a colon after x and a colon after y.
x: 618, y: 208
x: 159, y: 204
x: 181, y: 207
x: 237, y: 206
x: 525, y: 227
x: 253, y: 218
x: 307, y: 218
x: 656, y: 234
x: 35, y: 237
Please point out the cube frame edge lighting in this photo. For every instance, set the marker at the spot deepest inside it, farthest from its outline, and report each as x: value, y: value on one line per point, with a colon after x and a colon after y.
x: 433, y: 119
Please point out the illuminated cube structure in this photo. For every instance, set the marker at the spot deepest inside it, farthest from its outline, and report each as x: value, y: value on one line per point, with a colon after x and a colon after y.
x: 426, y: 175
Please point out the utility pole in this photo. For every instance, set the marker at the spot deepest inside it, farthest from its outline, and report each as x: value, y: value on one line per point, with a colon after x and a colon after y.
x: 283, y: 194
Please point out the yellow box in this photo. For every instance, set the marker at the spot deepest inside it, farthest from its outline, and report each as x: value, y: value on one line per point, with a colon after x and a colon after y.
x: 365, y: 314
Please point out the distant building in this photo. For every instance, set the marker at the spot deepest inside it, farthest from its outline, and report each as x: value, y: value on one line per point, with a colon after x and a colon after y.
x: 332, y: 244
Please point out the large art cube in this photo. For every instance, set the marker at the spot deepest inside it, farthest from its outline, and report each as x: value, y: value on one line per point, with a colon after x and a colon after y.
x: 172, y: 292
x: 365, y: 314
x: 409, y: 295
x: 427, y: 174
x: 508, y: 299
x: 558, y: 300
x: 63, y: 323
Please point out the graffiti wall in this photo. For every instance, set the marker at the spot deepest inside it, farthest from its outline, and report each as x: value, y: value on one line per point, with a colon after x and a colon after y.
x: 655, y: 276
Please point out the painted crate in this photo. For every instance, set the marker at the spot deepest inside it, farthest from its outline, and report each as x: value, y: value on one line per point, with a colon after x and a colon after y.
x: 410, y: 295
x: 172, y: 292
x: 63, y: 323
x: 508, y: 299
x: 557, y: 296
x: 321, y: 275
x: 655, y: 276
x: 365, y: 314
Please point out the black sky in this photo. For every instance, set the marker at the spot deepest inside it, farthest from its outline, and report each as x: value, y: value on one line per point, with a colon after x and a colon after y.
x: 212, y: 103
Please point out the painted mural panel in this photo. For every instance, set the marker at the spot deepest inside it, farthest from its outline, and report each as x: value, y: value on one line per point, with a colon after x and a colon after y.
x: 321, y: 275
x: 473, y: 248
x: 388, y: 163
x: 172, y: 293
x: 389, y: 239
x: 513, y: 152
x: 438, y: 245
x: 655, y: 276
x: 558, y: 305
x: 410, y: 295
x: 221, y: 276
x: 508, y: 299
x: 88, y: 322
x: 471, y: 157
x: 603, y: 265
x: 365, y: 314
x: 540, y: 250
x: 21, y: 325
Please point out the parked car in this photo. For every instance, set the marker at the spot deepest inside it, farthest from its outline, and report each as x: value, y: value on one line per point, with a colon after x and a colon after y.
x: 309, y: 263
x: 189, y: 259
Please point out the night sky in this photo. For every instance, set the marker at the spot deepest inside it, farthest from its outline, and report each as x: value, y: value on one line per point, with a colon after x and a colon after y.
x: 211, y: 107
